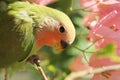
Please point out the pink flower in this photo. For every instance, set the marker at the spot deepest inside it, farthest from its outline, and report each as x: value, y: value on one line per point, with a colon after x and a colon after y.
x: 104, y: 24
x: 108, y: 6
x: 99, y: 9
x: 89, y: 4
x: 90, y: 20
x: 78, y: 64
x: 42, y: 2
x: 108, y: 29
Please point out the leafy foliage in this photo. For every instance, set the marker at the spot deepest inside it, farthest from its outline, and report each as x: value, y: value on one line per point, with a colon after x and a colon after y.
x: 109, y: 51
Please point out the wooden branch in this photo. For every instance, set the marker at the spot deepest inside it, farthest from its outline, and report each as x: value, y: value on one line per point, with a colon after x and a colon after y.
x: 75, y: 75
x: 42, y: 72
x: 35, y: 60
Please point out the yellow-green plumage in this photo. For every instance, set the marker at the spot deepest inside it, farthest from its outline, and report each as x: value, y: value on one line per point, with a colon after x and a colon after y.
x: 17, y: 29
x: 16, y: 37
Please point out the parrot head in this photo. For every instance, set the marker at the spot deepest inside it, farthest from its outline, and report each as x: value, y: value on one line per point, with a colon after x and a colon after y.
x: 57, y: 32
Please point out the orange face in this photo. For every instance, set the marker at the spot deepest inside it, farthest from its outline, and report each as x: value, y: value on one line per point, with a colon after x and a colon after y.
x: 50, y: 37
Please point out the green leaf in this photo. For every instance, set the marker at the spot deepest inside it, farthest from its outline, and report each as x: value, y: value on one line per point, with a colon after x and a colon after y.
x: 63, y: 5
x: 109, y: 51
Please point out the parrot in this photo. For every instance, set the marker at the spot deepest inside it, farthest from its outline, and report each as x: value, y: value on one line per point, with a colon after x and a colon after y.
x: 26, y: 27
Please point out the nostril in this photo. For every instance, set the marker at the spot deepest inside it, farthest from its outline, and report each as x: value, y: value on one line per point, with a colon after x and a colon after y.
x: 64, y: 44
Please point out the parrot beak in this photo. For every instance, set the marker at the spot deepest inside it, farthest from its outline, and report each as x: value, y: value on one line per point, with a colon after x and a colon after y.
x: 62, y: 45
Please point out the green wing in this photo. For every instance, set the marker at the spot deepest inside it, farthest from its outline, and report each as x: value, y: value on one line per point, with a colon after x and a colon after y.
x: 16, y: 36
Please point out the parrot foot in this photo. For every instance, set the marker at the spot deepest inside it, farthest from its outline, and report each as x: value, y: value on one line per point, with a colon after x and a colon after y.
x: 35, y: 60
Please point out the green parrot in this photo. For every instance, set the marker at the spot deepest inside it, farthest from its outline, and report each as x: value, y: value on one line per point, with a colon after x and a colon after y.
x: 26, y: 27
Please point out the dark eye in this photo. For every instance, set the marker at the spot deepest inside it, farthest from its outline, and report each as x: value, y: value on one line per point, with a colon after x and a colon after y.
x: 62, y: 29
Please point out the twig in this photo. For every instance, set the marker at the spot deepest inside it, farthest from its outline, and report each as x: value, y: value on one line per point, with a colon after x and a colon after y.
x: 42, y: 72
x: 75, y: 75
x: 83, y: 52
x: 34, y: 59
x: 6, y: 76
x: 93, y: 43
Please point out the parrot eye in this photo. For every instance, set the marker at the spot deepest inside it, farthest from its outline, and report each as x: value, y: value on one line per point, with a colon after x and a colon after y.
x: 62, y: 29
